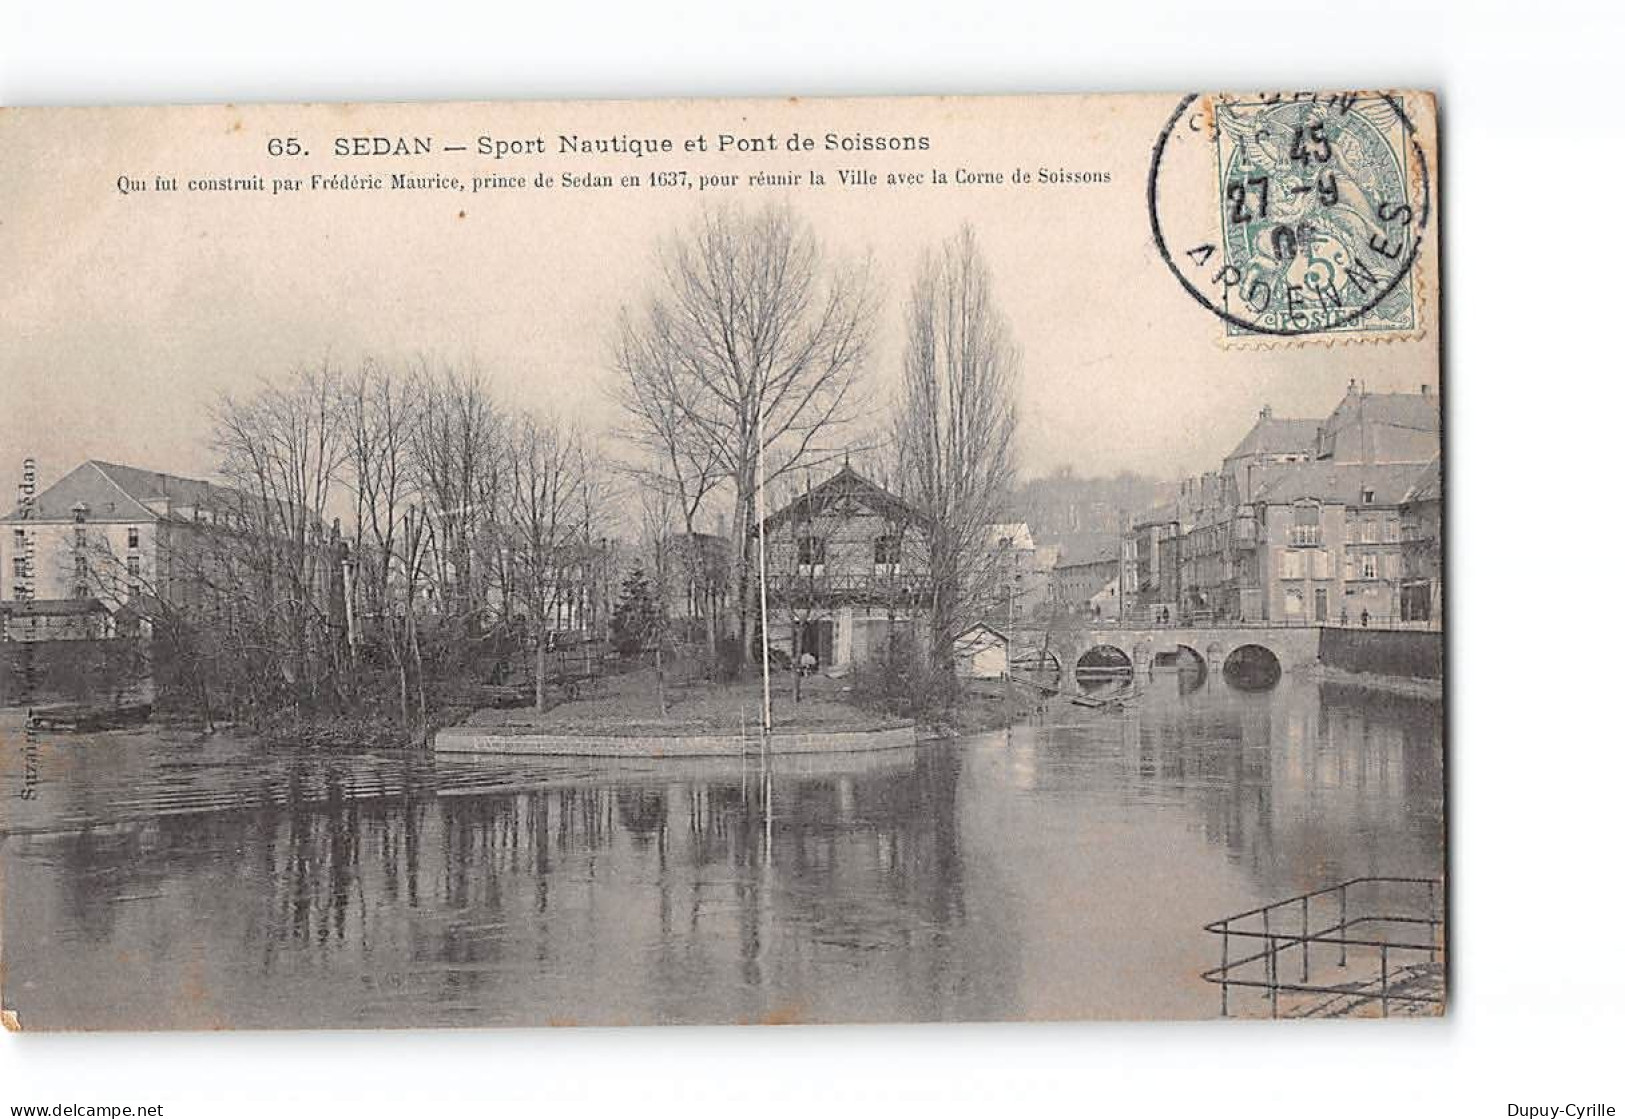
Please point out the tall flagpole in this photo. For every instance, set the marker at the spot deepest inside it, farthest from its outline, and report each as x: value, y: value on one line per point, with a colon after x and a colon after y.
x: 761, y: 567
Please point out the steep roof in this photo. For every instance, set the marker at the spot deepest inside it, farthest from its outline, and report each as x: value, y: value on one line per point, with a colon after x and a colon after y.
x: 151, y: 487
x: 1429, y: 485
x: 1333, y: 482
x: 110, y: 491
x: 1277, y: 435
x: 983, y: 627
x: 1382, y: 427
x: 844, y: 486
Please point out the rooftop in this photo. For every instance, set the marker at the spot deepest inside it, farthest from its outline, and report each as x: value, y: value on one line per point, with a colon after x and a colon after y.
x: 1428, y: 485
x: 837, y: 493
x: 111, y: 491
x: 1277, y: 435
x: 1383, y: 427
x: 1332, y: 482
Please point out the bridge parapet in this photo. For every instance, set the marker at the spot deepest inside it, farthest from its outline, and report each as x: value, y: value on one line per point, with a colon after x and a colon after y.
x: 1293, y: 646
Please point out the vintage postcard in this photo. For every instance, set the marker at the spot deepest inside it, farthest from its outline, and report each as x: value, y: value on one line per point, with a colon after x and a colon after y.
x: 787, y: 561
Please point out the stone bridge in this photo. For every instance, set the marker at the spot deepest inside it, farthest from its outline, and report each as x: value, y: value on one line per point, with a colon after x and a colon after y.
x: 1068, y: 641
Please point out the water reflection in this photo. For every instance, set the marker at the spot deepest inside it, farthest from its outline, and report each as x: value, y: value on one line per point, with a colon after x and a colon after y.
x: 1055, y: 871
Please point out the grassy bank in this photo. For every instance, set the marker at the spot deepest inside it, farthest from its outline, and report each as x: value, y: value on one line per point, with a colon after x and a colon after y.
x: 630, y: 705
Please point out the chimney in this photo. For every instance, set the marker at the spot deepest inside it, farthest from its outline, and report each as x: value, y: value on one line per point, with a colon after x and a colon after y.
x: 1265, y: 412
x: 1426, y: 391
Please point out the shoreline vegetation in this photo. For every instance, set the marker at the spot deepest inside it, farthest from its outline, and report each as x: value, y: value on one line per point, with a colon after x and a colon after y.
x: 629, y: 705
x: 633, y: 703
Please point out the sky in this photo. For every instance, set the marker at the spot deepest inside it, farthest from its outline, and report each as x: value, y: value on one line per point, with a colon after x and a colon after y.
x: 127, y: 316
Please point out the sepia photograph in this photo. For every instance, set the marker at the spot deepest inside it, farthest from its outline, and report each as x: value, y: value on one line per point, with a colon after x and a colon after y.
x: 807, y: 561
x: 894, y: 561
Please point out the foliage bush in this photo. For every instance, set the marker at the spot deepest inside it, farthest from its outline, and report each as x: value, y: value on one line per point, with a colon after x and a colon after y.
x: 900, y: 680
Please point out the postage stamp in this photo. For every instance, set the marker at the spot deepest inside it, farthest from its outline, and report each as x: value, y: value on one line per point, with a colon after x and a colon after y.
x: 1317, y: 213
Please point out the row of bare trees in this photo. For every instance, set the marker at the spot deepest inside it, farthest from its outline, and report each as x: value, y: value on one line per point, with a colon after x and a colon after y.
x: 744, y: 362
x: 392, y: 522
x: 749, y: 361
x: 398, y: 521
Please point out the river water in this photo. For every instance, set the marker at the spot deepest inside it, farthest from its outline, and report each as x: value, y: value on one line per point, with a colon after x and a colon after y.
x: 1054, y: 871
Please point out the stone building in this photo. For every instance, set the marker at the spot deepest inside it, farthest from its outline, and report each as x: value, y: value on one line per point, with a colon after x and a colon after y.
x: 1328, y: 545
x: 1021, y: 590
x: 110, y: 533
x: 1301, y: 521
x: 1421, y: 540
x: 133, y: 541
x: 1152, y: 564
x: 1090, y: 588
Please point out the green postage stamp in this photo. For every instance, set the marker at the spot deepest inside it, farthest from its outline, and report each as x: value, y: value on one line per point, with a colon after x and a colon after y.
x: 1321, y: 215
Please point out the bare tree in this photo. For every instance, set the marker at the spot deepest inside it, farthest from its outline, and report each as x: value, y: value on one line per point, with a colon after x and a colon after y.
x: 282, y: 450
x: 672, y: 456
x: 457, y: 452
x: 381, y: 409
x: 597, y: 562
x: 955, y: 429
x: 657, y: 514
x: 753, y: 339
x: 677, y: 458
x: 546, y: 521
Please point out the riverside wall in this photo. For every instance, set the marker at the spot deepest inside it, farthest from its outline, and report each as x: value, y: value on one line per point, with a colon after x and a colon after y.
x: 1418, y: 654
x: 485, y: 740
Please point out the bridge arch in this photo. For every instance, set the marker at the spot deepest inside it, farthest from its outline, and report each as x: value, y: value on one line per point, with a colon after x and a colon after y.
x: 1181, y: 656
x: 1103, y: 662
x: 1252, y: 667
x: 1037, y: 665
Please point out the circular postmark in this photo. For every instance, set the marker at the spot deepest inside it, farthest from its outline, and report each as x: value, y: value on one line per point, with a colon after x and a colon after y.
x: 1293, y: 214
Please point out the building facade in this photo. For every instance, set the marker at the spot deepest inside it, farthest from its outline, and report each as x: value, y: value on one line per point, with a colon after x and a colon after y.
x: 1091, y: 588
x: 846, y: 571
x: 1421, y: 535
x: 1327, y: 521
x: 135, y: 543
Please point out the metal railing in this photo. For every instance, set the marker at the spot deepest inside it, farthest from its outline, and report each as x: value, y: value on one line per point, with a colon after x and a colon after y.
x: 1408, y: 973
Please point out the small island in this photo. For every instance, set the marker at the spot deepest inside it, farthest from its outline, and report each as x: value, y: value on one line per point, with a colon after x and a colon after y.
x: 634, y: 716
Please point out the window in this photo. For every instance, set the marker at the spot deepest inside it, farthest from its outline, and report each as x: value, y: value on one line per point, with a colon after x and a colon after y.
x: 888, y: 550
x: 19, y: 537
x: 810, y: 554
x: 135, y: 538
x: 1306, y: 526
x: 1368, y: 566
x: 19, y: 567
x: 81, y: 568
x: 78, y: 536
x: 1368, y: 530
x: 1292, y: 565
x: 132, y: 564
x: 1368, y: 497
